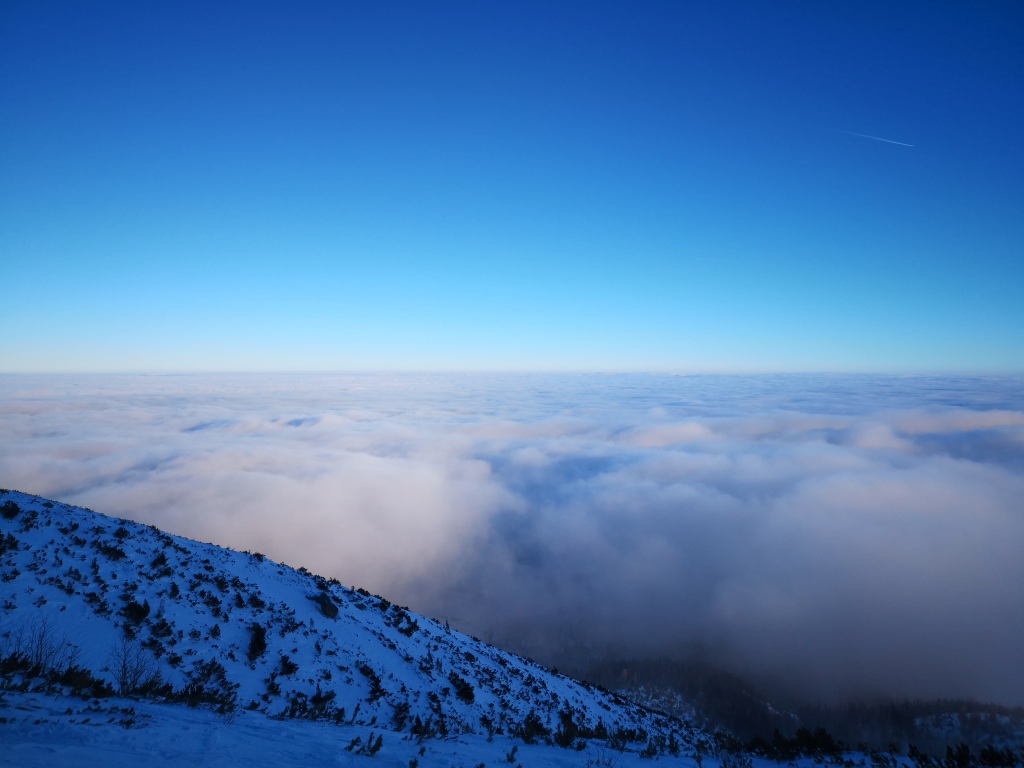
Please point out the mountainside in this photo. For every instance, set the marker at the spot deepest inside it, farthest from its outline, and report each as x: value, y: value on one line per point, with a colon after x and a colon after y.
x: 113, y: 602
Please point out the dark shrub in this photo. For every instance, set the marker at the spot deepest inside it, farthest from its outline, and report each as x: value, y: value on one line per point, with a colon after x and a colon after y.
x: 136, y: 612
x: 462, y: 688
x: 257, y: 641
x: 208, y: 684
x: 533, y: 728
x: 567, y: 729
x: 82, y: 682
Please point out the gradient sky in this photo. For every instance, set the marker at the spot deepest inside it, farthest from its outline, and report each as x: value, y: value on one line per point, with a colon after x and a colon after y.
x: 511, y: 185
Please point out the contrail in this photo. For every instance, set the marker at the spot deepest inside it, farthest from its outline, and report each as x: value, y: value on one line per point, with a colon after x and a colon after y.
x: 876, y: 138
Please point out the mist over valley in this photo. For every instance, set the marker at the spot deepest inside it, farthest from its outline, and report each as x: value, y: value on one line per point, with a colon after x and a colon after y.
x: 827, y: 538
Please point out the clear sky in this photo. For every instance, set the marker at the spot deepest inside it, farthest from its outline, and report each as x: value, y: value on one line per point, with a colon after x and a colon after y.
x: 512, y: 185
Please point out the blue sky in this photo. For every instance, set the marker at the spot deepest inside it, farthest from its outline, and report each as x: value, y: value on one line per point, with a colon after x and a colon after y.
x: 582, y: 186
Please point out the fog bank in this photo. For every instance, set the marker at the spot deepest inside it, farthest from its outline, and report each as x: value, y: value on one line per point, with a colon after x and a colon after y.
x: 845, y: 535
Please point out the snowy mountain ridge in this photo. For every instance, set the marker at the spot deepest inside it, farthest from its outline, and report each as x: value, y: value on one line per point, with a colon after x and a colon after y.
x: 147, y: 612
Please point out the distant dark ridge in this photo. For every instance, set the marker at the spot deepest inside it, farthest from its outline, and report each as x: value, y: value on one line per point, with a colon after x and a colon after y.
x: 713, y: 694
x: 727, y: 702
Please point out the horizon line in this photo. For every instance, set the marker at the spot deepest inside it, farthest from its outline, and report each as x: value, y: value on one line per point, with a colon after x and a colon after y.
x: 529, y: 371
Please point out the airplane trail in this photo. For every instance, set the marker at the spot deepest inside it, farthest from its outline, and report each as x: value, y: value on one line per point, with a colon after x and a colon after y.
x: 876, y: 138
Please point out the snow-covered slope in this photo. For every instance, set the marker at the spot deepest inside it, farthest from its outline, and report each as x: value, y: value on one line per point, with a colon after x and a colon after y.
x: 238, y: 633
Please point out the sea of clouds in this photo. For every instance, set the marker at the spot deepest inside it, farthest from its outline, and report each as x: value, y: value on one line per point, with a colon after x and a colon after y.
x: 845, y: 535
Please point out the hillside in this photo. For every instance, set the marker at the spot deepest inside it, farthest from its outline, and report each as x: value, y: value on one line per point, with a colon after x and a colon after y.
x: 111, y: 606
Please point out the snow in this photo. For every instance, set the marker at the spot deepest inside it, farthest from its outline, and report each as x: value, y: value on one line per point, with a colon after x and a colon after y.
x: 40, y: 732
x: 170, y: 735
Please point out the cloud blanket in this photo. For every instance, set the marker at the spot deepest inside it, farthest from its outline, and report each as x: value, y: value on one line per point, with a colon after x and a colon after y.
x: 845, y: 535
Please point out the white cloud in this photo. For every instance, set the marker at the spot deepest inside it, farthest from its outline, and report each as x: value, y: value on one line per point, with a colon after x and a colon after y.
x: 852, y: 537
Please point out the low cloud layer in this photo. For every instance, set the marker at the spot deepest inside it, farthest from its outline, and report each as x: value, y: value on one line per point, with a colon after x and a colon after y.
x: 837, y: 535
